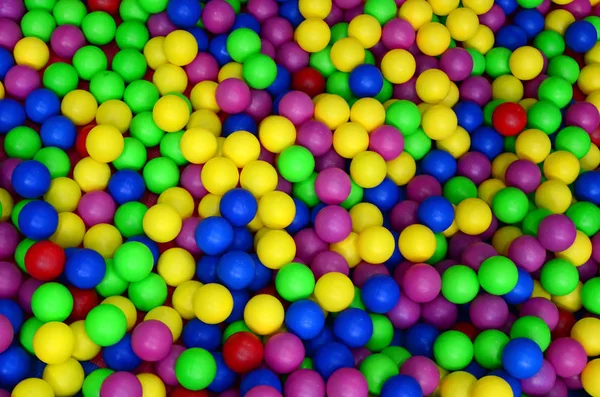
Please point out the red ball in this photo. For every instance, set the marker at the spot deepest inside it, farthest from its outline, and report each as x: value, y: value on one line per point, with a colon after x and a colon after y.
x: 509, y: 118
x: 566, y: 321
x: 45, y: 260
x: 309, y: 81
x: 467, y: 328
x: 109, y: 6
x: 84, y: 300
x: 81, y: 138
x: 181, y: 392
x: 596, y: 137
x: 243, y: 352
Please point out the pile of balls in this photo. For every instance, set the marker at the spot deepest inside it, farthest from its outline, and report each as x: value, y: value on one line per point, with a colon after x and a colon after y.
x: 299, y: 198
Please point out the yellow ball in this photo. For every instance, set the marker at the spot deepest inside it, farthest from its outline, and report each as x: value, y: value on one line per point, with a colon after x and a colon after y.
x: 586, y: 331
x: 439, y: 122
x: 33, y: 387
x: 527, y: 103
x: 64, y: 194
x: 398, y: 66
x: 2, y: 90
x: 231, y: 70
x: 365, y: 215
x: 433, y: 38
x: 182, y: 298
x: 589, y: 79
x: 562, y: 166
x: 503, y: 237
x: 473, y: 216
x: 206, y: 119
x: 276, y: 210
x: 180, y: 47
x: 507, y: 88
x: 115, y: 113
x: 276, y: 248
x: 241, y: 147
x: 368, y: 112
x: 491, y: 386
x: 366, y: 29
x: 176, y: 266
x: 590, y: 378
x: 416, y: 12
x: 84, y: 349
x: 578, y: 253
x: 591, y: 160
x: 332, y: 110
x: 219, y: 175
x: 91, y: 175
x: 559, y: 20
x: 104, y: 239
x: 276, y: 133
x: 162, y: 223
x: 593, y: 55
x: 401, y: 169
x: 594, y: 99
x: 126, y: 306
x: 104, y: 143
x: 553, y: 195
x: 350, y: 139
x: 526, y: 63
x: 570, y: 302
x: 456, y: 144
x: 198, y: 145
x: 169, y: 317
x: 368, y: 169
x: 264, y: 314
x: 348, y: 249
x: 479, y: 6
x: 457, y: 384
x: 462, y: 23
x: 334, y: 292
x: 180, y: 199
x: 171, y: 113
x: 209, y: 206
x: 259, y: 178
x: 346, y: 54
x: 212, y: 303
x: 152, y: 386
x: 432, y: 85
x: 488, y: 189
x: 314, y: 8
x: 501, y: 163
x: 375, y: 244
x: 312, y: 35
x: 169, y: 78
x: 203, y: 96
x: 154, y: 52
x: 79, y: 106
x: 65, y: 378
x: 539, y: 291
x: 53, y: 343
x: 533, y: 145
x: 70, y: 230
x: 482, y: 41
x: 417, y: 243
x: 32, y: 52
x: 453, y: 96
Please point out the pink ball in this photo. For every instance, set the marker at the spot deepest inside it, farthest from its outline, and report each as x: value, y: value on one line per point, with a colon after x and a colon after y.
x: 12, y: 9
x: 66, y: 40
x: 404, y: 214
x: 218, y: 16
x: 573, y: 382
x: 9, y: 238
x: 579, y: 8
x: 232, y: 95
x: 556, y: 232
x: 10, y: 33
x: 347, y: 382
x: 329, y: 160
x: 359, y: 355
x: 263, y: 391
x: 329, y: 262
x: 347, y: 4
x: 191, y: 181
x: 277, y: 30
x: 488, y: 312
x: 422, y: 283
x: 297, y: 107
x: 160, y: 24
x: 26, y: 293
x: 165, y: 368
x: 494, y: 18
x: 336, y: 15
x: 540, y: 383
x: 457, y: 63
x: 315, y: 136
x: 440, y: 313
x: 10, y: 280
x: 6, y: 333
x: 266, y: 48
x: 525, y: 175
x: 96, y: 207
x: 261, y: 105
x: 203, y: 67
x: 284, y: 352
x: 527, y: 253
x: 121, y: 384
x: 333, y: 186
x: 476, y: 253
x: 186, y: 238
x: 541, y: 308
x: 292, y: 57
x: 262, y: 9
x: 20, y: 80
x: 405, y: 314
x: 304, y: 383
x: 387, y: 141
x: 398, y: 34
x: 309, y: 245
x: 333, y: 224
x: 567, y: 356
x: 424, y: 371
x: 151, y: 340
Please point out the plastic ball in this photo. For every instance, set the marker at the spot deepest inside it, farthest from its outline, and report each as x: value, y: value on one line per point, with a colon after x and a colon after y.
x: 45, y: 343
x: 255, y: 310
x: 334, y: 292
x: 522, y: 358
x: 212, y: 303
x: 417, y: 243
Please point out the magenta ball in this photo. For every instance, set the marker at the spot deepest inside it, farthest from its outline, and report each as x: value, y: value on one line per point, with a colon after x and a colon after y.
x: 333, y: 224
x: 96, y: 207
x: 596, y: 247
x: 10, y: 33
x: 398, y: 34
x: 304, y: 383
x: 266, y: 48
x: 525, y: 175
x: 360, y: 354
x: 423, y: 186
x: 20, y: 80
x: 439, y: 312
x: 263, y: 391
x: 579, y: 8
x: 556, y: 232
x: 407, y: 91
x: 333, y: 186
x: 573, y: 382
x: 527, y: 253
x: 347, y: 4
x: 151, y: 340
x: 10, y: 280
x: 6, y: 169
x: 444, y: 265
x: 567, y: 356
x: 12, y: 9
x: 588, y: 270
x: 347, y: 382
x: 165, y: 368
x: 558, y: 390
x: 297, y: 107
x: 277, y: 31
x: 459, y: 243
x: 218, y: 16
x: 309, y: 245
x: 283, y: 185
x: 531, y: 87
x: 160, y: 25
x: 540, y: 383
x: 364, y: 271
x: 191, y: 181
x: 292, y: 57
x: 543, y: 309
x: 475, y: 166
x: 404, y: 214
x: 186, y: 238
x: 121, y: 384
x: 315, y: 136
x: 66, y: 40
x: 488, y: 312
x: 387, y: 141
x: 405, y: 314
x: 476, y: 89
x: 400, y: 271
x: 335, y: 16
x: 261, y: 105
x: 284, y: 352
x: 9, y: 238
x: 233, y: 95
x: 426, y: 62
x: 203, y: 67
x: 494, y: 18
x: 328, y: 262
x: 6, y: 333
x: 262, y: 9
x: 476, y: 253
x: 457, y: 63
x: 421, y: 283
x: 424, y: 371
x: 352, y: 13
x: 26, y: 293
x: 330, y: 159
x: 266, y: 156
x: 584, y: 115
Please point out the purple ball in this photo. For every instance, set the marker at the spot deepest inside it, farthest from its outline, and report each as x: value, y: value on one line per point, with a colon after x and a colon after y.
x: 284, y: 352
x: 360, y: 355
x: 531, y: 87
x: 328, y: 160
x: 400, y: 271
x: 567, y: 356
x: 230, y: 393
x: 558, y: 390
x: 421, y: 283
x: 297, y: 107
x: 304, y: 383
x: 12, y: 9
x: 488, y: 312
x: 333, y: 186
x: 186, y: 238
x: 20, y: 80
x: 292, y: 57
x: 309, y: 244
x: 457, y: 63
x: 423, y: 186
x: 491, y: 230
x: 404, y: 214
x: 262, y: 9
x: 573, y: 382
x: 329, y: 262
x: 364, y: 271
x: 543, y: 309
x: 407, y: 91
x: 387, y: 141
x: 10, y: 33
x: 6, y: 333
x: 165, y: 368
x: 352, y: 13
x: 475, y: 166
x: 160, y: 25
x: 6, y: 169
x: 266, y: 48
x: 596, y: 247
x: 398, y: 34
x: 494, y: 18
x: 540, y: 383
x: 10, y: 280
x: 424, y: 371
x: 232, y: 95
x: 121, y: 384
x: 525, y: 175
x: 266, y: 156
x: 557, y: 232
x: 26, y: 293
x: 96, y: 207
x: 579, y: 8
x: 333, y: 224
x: 440, y: 313
x: 151, y: 340
x: 277, y: 31
x: 261, y: 105
x: 9, y: 238
x: 66, y: 40
x: 405, y: 314
x: 476, y: 253
x: 588, y: 270
x: 425, y: 62
x: 4, y: 393
x: 476, y: 89
x: 583, y: 114
x: 347, y: 4
x: 315, y: 136
x: 218, y: 16
x: 283, y: 185
x: 444, y: 265
x: 527, y: 253
x: 347, y: 382
x: 544, y: 7
x: 336, y: 15
x: 191, y: 181
x: 203, y: 67
x: 459, y: 243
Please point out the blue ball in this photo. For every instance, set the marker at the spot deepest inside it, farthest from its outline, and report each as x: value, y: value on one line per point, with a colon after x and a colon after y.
x: 305, y: 319
x: 419, y: 339
x: 380, y: 293
x: 15, y: 364
x: 214, y: 235
x: 508, y: 6
x: 260, y: 377
x: 396, y: 257
x: 469, y: 115
x: 85, y: 268
x: 301, y: 218
x: 581, y: 36
x: 385, y: 195
x: 245, y: 20
x: 487, y: 141
x: 239, y: 122
x: 281, y: 84
x: 475, y: 369
x: 13, y: 312
x: 262, y: 275
x: 206, y: 269
x: 353, y: 327
x: 522, y: 291
x: 401, y: 386
x: 12, y: 115
x: 148, y: 243
x: 225, y: 377
x: 201, y: 38
x: 31, y: 179
x: 238, y: 206
x: 120, y: 356
x: 58, y: 131
x: 199, y: 334
x: 243, y: 240
x: 522, y: 358
x: 439, y: 164
x: 315, y: 211
x: 126, y: 185
x: 436, y: 212
x: 184, y: 13
x: 6, y: 62
x: 41, y: 104
x: 365, y: 81
x: 218, y: 49
x: 531, y: 21
x: 511, y: 37
x: 514, y: 383
x: 236, y: 270
x: 331, y: 357
x: 587, y: 187
x: 291, y: 11
x: 38, y: 220
x: 240, y: 299
x: 324, y: 337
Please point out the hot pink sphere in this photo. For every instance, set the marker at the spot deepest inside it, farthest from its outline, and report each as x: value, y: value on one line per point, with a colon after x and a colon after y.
x: 284, y: 352
x: 398, y: 34
x: 333, y: 224
x: 191, y: 181
x: 10, y: 33
x: 556, y: 232
x: 121, y: 384
x: 263, y: 391
x: 261, y: 105
x: 424, y: 371
x: 10, y: 280
x: 567, y: 356
x: 151, y: 340
x: 277, y: 30
x: 297, y: 107
x: 66, y: 40
x: 457, y: 63
x: 315, y: 136
x: 488, y: 312
x: 233, y: 95
x: 6, y: 333
x: 328, y: 262
x: 421, y: 283
x: 347, y: 382
x: 160, y: 24
x: 541, y: 308
x: 333, y: 186
x: 165, y: 368
x: 262, y: 9
x: 405, y: 314
x: 304, y: 383
x: 387, y: 141
x: 20, y: 80
x: 527, y: 253
x: 203, y: 67
x: 96, y: 207
x: 186, y: 238
x: 218, y: 16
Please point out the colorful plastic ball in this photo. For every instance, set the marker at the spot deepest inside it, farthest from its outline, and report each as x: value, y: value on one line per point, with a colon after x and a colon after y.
x: 556, y: 233
x: 53, y: 343
x: 580, y: 36
x: 31, y: 179
x: 295, y: 163
x: 212, y: 303
x: 509, y: 118
x: 522, y: 358
x: 305, y: 319
x: 238, y: 206
x: 106, y: 324
x: 365, y: 81
x: 334, y: 292
x: 353, y: 327
x: 526, y: 63
x: 120, y: 356
x: 417, y: 243
x: 38, y: 220
x: 15, y: 363
x: 33, y: 385
x: 491, y: 384
x: 45, y: 260
x: 432, y: 86
x: 284, y: 352
x: 104, y: 143
x: 294, y: 281
x: 243, y: 352
x: 85, y: 268
x: 118, y: 382
x: 162, y: 223
x: 380, y: 294
x: 41, y: 104
x: 235, y: 270
x: 436, y: 213
x: 151, y: 340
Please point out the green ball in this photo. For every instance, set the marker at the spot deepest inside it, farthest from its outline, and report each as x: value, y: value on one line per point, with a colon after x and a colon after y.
x: 106, y: 85
x: 235, y: 4
x: 305, y: 190
x: 545, y: 116
x: 132, y: 35
x: 140, y: 96
x: 510, y: 205
x: 405, y: 116
x: 338, y: 31
x: 386, y: 92
x: 383, y: 10
x: 295, y: 281
x: 130, y: 64
x: 585, y: 216
x: 98, y: 27
x: 459, y: 188
x: 170, y: 147
x: 533, y: 328
x: 133, y: 157
x: 498, y: 275
x: 590, y: 295
x: 46, y: 5
x: 195, y: 369
x: 56, y: 160
x: 377, y: 369
x: 38, y: 23
x: 52, y: 302
x: 398, y: 354
x: 160, y: 174
x: 559, y: 277
x: 133, y: 261
x: 529, y: 3
x: 307, y: 363
x: 417, y: 144
x: 322, y: 62
x: 60, y: 78
x: 575, y: 140
x: 453, y: 350
x: 357, y: 302
x: 111, y: 284
x: 459, y: 284
x: 153, y: 6
x: 296, y: 164
x: 369, y: 58
x: 383, y: 333
x: 488, y: 347
x: 93, y: 382
x: 556, y: 90
x: 355, y: 196
x: 243, y: 43
x: 234, y: 328
x: 27, y: 332
x: 129, y: 218
x: 532, y: 221
x: 14, y: 215
x: 441, y: 249
x: 339, y: 83
x: 478, y: 62
x: 564, y: 66
x: 149, y: 293
x: 488, y: 110
x: 132, y: 10
x: 22, y: 142
x: 20, y: 252
x: 88, y: 61
x: 550, y: 43
x: 144, y: 129
x: 594, y: 20
x: 510, y: 144
x: 69, y: 12
x: 259, y: 71
x: 496, y: 62
x: 106, y: 325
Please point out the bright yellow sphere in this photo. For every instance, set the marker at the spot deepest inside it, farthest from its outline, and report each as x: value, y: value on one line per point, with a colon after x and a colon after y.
x: 368, y: 169
x: 84, y: 349
x: 70, y: 230
x: 312, y: 35
x: 213, y: 303
x: 169, y: 78
x: 553, y: 195
x: 462, y: 23
x: 176, y: 266
x: 439, y: 122
x: 348, y: 249
x: 33, y: 387
x: 231, y: 70
x: 346, y: 54
x: 456, y: 144
x: 401, y: 169
x: 593, y: 55
x: 473, y: 216
x: 209, y: 206
x: 526, y: 63
x: 314, y: 8
x: 479, y: 6
x: 91, y: 175
x: 501, y: 163
x: 264, y: 314
x: 162, y: 223
x: 457, y: 384
x: 126, y: 306
x: 594, y: 99
x: 79, y: 106
x: 7, y: 203
x: 104, y: 143
x: 562, y: 166
x: 115, y: 113
x: 154, y: 52
x: 276, y: 133
x: 491, y: 386
x: 53, y: 343
x: 180, y: 47
x: 482, y: 41
x: 32, y: 52
x: 433, y: 38
x: 578, y: 253
x: 350, y: 139
x: 570, y: 302
x: 507, y: 88
x: 586, y: 331
x: 65, y: 378
x: 152, y: 385
x: 416, y: 12
x: 365, y: 215
x: 453, y: 96
x: 589, y: 79
x: 368, y: 112
x: 398, y: 66
x: 432, y: 86
x: 332, y: 110
x: 417, y: 243
x: 539, y: 291
x: 276, y: 210
x: 198, y: 145
x: 171, y: 113
x: 443, y: 7
x: 591, y: 160
x: 241, y: 147
x: 366, y: 29
x: 219, y: 175
x: 527, y: 103
x: 64, y: 194
x: 559, y: 20
x: 334, y: 292
x: 2, y: 91
x: 533, y: 145
x: 590, y: 378
x: 503, y: 237
x: 103, y: 238
x: 488, y: 189
x: 169, y: 317
x: 182, y: 298
x: 259, y: 178
x: 203, y: 96
x: 375, y: 244
x: 276, y: 248
x: 180, y: 199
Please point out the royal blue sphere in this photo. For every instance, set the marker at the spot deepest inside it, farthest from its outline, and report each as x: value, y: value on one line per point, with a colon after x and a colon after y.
x: 511, y: 37
x: 243, y: 239
x: 41, y: 104
x: 206, y: 269
x: 305, y: 319
x: 239, y: 122
x: 380, y: 293
x: 126, y: 185
x: 120, y: 356
x: 587, y: 187
x: 12, y: 115
x: 201, y: 38
x: 401, y: 386
x: 531, y: 21
x: 38, y: 220
x: 202, y: 335
x: 58, y: 131
x: 439, y: 164
x: 384, y: 196
x: 581, y: 36
x: 353, y: 327
x: 15, y: 364
x: 13, y: 313
x: 331, y: 357
x: 6, y: 62
x: 419, y: 339
x: 436, y: 212
x: 365, y: 81
x: 240, y: 300
x: 85, y: 268
x: 31, y: 179
x: 235, y: 270
x: 214, y: 235
x: 262, y: 275
x: 281, y: 85
x: 522, y: 291
x: 469, y: 115
x: 260, y: 377
x: 184, y: 13
x: 238, y: 206
x: 522, y: 358
x: 225, y: 377
x: 301, y: 217
x: 248, y: 21
x: 487, y: 141
x: 218, y: 49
